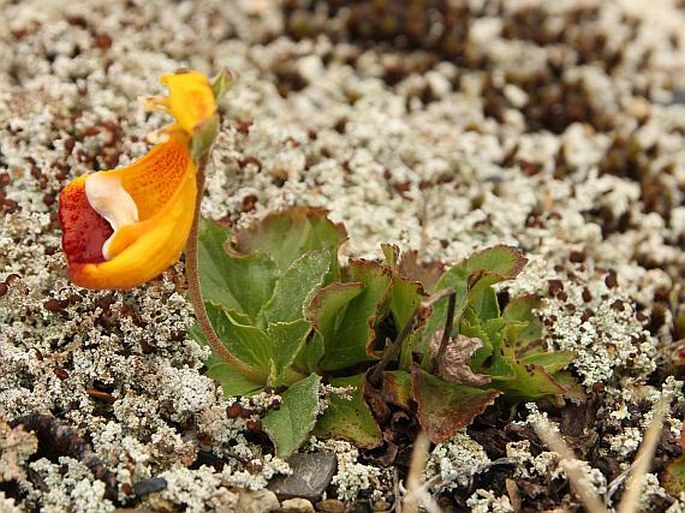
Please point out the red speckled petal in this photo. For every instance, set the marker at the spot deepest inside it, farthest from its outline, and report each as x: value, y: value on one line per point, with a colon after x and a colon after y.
x: 84, y: 231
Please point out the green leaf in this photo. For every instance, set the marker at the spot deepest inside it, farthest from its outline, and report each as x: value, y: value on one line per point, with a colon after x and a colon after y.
x: 574, y: 390
x: 325, y: 311
x: 222, y: 83
x: 521, y: 309
x: 405, y: 297
x: 470, y: 280
x: 552, y: 361
x: 501, y: 368
x: 530, y: 383
x: 444, y: 407
x: 391, y: 254
x: 485, y: 304
x: 504, y: 261
x: 287, y: 235
x: 248, y: 344
x: 238, y: 282
x: 231, y: 380
x: 349, y: 419
x: 287, y: 339
x: 397, y: 387
x: 310, y: 354
x: 289, y: 426
x: 455, y: 278
x: 490, y: 331
x: 295, y: 288
x: 328, y: 304
x: 351, y: 340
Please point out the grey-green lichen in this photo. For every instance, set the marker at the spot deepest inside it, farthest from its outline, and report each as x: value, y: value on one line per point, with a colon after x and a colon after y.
x: 452, y: 463
x: 352, y: 477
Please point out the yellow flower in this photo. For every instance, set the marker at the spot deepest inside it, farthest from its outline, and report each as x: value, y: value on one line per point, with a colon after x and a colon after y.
x: 124, y: 227
x: 191, y: 99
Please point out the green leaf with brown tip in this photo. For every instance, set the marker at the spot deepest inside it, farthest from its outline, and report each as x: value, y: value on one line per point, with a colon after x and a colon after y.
x: 444, y: 407
x: 287, y: 235
x: 552, y: 361
x: 531, y: 382
x: 355, y: 332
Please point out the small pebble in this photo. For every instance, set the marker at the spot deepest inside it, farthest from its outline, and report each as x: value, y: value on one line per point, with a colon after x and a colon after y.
x: 297, y: 505
x: 331, y: 506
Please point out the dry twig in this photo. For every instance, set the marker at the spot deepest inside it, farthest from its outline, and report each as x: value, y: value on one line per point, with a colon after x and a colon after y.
x: 418, y: 495
x: 630, y: 501
x: 578, y: 479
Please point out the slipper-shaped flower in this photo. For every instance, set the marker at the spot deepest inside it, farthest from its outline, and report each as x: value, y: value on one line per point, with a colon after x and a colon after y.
x: 124, y: 227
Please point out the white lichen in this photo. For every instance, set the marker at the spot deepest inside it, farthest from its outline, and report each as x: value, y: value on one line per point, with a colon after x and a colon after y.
x: 455, y: 461
x: 598, y: 324
x: 197, y: 490
x: 485, y: 501
x: 351, y: 477
x: 69, y: 486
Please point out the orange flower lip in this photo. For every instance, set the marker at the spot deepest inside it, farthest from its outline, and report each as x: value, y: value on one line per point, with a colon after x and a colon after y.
x: 162, y: 187
x: 124, y: 227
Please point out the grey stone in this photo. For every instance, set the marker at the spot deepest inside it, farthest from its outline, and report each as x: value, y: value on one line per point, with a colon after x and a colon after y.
x: 312, y: 473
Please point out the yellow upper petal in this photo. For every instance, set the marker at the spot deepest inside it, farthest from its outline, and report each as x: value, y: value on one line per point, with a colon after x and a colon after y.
x: 153, y: 179
x: 191, y: 98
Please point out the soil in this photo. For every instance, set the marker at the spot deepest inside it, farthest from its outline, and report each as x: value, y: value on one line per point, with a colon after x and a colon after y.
x: 444, y: 127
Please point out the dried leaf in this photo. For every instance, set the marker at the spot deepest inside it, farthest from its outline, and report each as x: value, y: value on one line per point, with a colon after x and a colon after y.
x: 16, y: 446
x: 454, y: 364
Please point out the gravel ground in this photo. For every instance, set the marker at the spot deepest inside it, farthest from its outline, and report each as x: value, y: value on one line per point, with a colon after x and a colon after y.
x: 555, y: 126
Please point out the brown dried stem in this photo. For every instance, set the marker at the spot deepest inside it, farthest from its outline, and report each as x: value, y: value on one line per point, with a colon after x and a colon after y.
x: 447, y: 332
x: 394, y: 348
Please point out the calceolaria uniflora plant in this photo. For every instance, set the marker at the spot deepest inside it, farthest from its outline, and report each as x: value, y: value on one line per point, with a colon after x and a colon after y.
x: 280, y: 312
x: 398, y: 335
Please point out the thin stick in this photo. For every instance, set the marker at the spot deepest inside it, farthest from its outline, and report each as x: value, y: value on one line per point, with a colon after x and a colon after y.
x: 630, y: 501
x: 194, y: 288
x: 576, y: 476
x: 447, y: 332
x: 418, y: 496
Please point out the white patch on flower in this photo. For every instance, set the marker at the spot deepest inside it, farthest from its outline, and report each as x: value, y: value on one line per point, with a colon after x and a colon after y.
x: 109, y: 199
